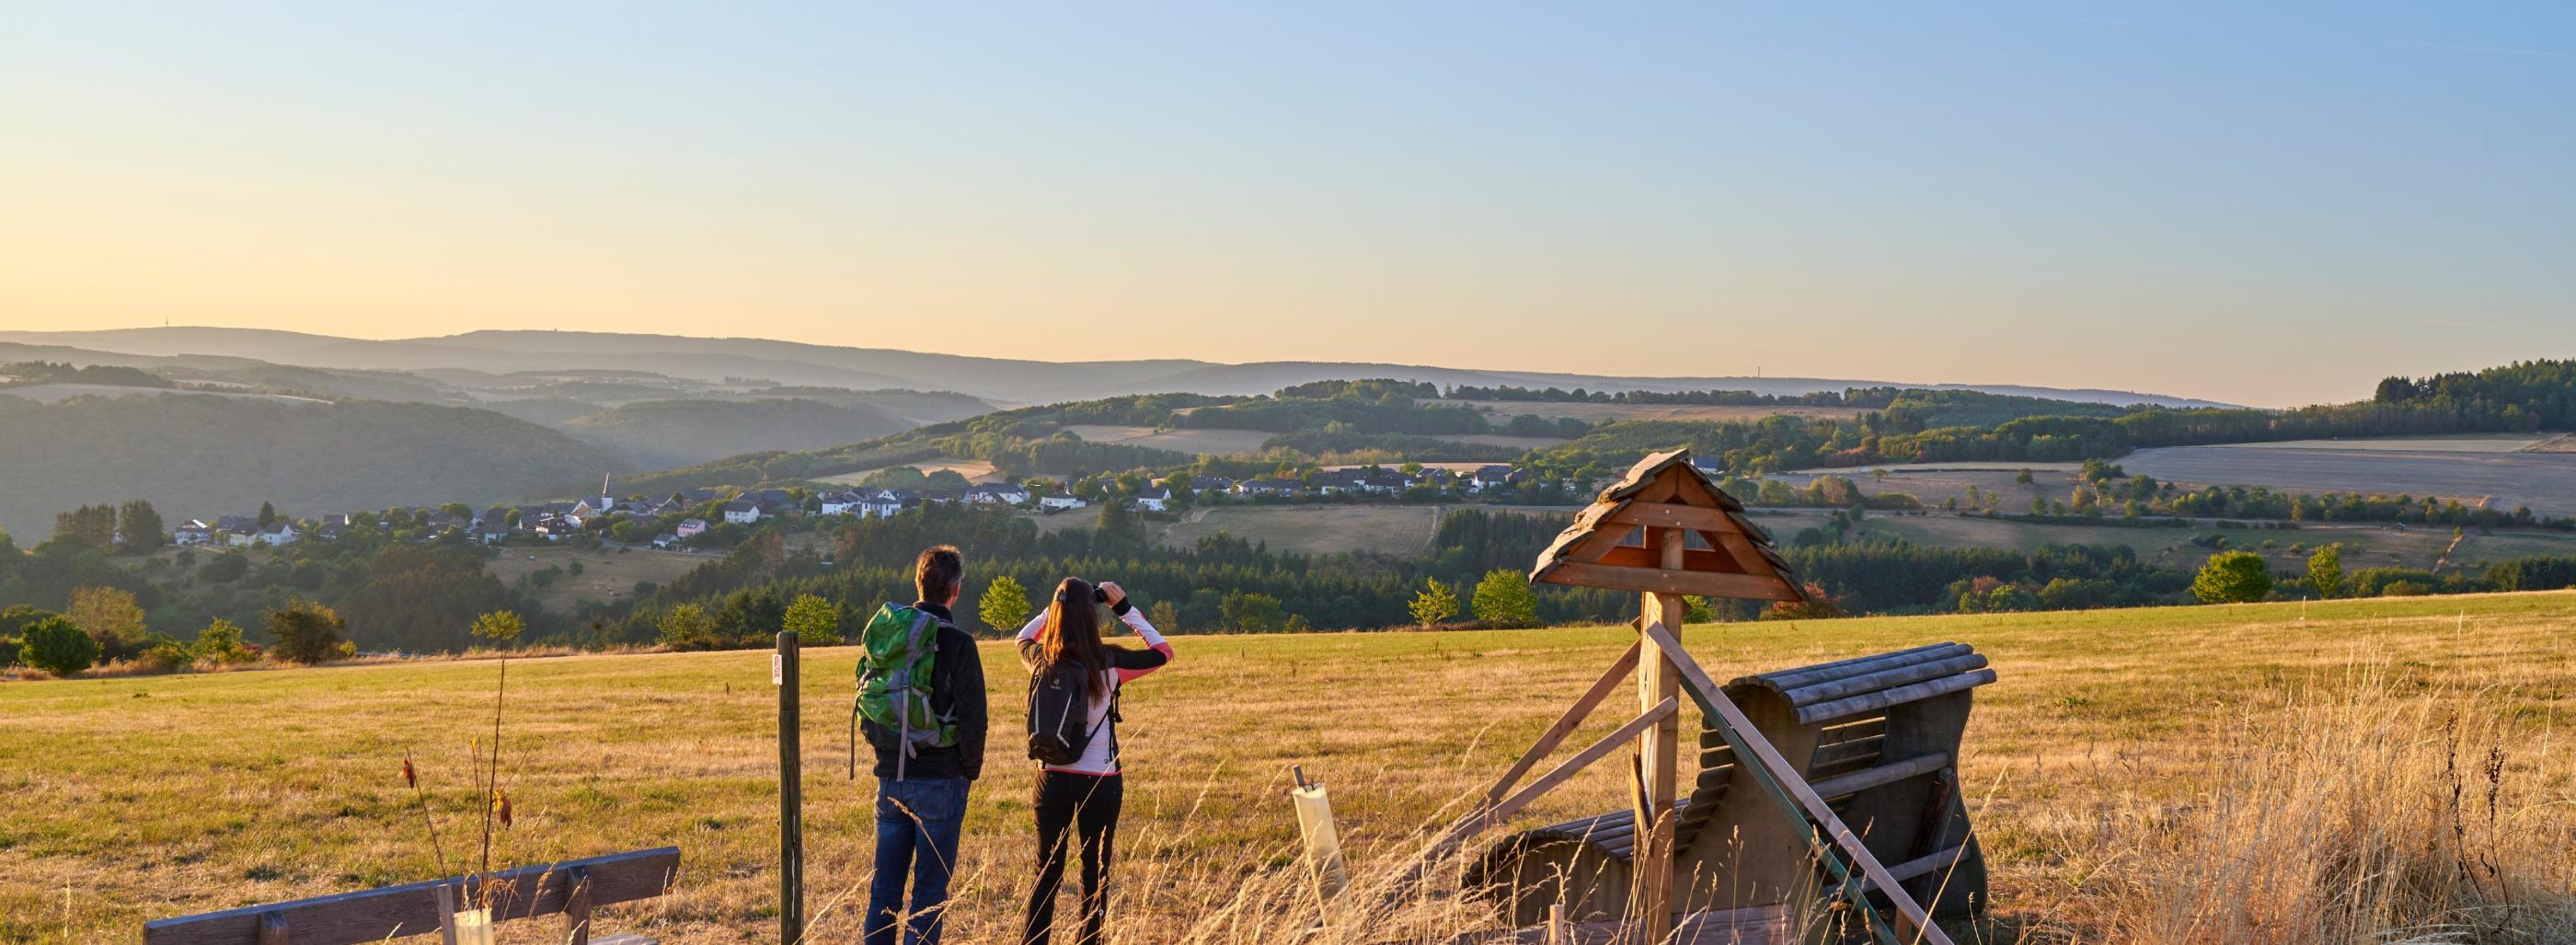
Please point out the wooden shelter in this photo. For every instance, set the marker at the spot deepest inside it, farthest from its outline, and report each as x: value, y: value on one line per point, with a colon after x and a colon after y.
x: 1665, y: 531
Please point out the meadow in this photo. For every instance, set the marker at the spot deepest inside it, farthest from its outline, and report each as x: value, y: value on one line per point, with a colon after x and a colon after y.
x: 2351, y: 771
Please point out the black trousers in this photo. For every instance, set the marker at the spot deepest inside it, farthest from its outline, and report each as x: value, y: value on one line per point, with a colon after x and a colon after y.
x: 1088, y: 804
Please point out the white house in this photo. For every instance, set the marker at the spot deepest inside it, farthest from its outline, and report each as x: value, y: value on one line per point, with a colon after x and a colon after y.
x: 691, y: 528
x: 1156, y: 499
x: 844, y: 502
x: 885, y: 503
x: 282, y: 533
x: 1489, y: 477
x: 741, y: 512
x: 1061, y: 500
x: 195, y: 531
x: 998, y: 493
x: 665, y: 540
x: 1279, y: 488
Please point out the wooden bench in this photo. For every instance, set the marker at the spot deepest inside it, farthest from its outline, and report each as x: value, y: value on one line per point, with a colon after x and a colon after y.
x: 570, y: 889
x: 1877, y: 737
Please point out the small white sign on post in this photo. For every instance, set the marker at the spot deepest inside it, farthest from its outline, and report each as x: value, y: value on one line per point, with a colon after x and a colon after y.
x: 777, y: 669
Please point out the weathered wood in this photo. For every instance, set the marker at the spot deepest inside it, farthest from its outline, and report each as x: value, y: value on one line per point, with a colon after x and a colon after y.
x: 1880, y: 700
x: 1566, y: 724
x: 1891, y: 773
x: 1693, y: 559
x: 446, y: 914
x: 1805, y: 676
x: 1911, y: 921
x: 1672, y: 581
x: 1659, y: 750
x: 412, y: 909
x: 577, y: 906
x: 1890, y: 678
x: 273, y: 929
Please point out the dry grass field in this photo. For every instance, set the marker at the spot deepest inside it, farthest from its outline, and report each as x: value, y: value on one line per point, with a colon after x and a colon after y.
x: 1314, y: 529
x: 975, y: 470
x: 2380, y: 771
x: 2364, y: 545
x: 605, y: 575
x: 1596, y: 413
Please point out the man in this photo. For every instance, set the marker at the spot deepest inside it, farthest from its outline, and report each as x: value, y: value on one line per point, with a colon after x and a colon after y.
x: 921, y: 799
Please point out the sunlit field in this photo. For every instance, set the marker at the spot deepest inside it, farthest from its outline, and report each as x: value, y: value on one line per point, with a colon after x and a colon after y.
x: 2265, y: 773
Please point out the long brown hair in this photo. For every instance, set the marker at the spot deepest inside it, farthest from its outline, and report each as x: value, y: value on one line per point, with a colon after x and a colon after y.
x: 1072, y: 630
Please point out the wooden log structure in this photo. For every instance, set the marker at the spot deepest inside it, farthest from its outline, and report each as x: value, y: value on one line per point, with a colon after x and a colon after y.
x: 1877, y: 738
x: 571, y: 889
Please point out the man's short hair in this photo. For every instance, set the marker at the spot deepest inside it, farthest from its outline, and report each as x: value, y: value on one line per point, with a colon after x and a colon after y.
x: 938, y: 573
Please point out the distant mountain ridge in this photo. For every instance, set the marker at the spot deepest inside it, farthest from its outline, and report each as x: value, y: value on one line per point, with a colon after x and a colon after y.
x: 1001, y: 379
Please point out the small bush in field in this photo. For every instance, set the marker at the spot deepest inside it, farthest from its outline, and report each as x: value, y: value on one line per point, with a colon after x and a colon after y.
x: 57, y: 646
x: 221, y: 642
x: 162, y: 655
x: 307, y: 632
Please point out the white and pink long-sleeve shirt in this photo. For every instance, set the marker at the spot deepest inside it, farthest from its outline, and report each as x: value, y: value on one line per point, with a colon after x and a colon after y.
x: 1099, y: 758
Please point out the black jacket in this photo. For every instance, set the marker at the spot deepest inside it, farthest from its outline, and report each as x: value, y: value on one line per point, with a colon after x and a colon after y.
x: 956, y: 686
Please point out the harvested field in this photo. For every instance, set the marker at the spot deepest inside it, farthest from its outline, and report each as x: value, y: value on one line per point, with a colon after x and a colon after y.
x: 2109, y: 785
x: 606, y: 575
x: 1594, y: 413
x: 975, y: 470
x: 2544, y: 481
x: 2467, y: 443
x: 1191, y: 441
x: 2365, y: 545
x: 1497, y: 439
x: 1314, y: 529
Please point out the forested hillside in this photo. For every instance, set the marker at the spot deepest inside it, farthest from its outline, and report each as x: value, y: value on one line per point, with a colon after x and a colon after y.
x: 202, y: 456
x: 660, y: 434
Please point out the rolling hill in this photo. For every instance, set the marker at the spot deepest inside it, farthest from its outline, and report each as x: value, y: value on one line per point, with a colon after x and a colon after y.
x: 659, y: 434
x: 1001, y: 379
x: 199, y: 455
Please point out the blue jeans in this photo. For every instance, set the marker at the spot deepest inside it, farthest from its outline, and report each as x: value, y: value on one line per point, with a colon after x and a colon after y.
x: 918, y: 821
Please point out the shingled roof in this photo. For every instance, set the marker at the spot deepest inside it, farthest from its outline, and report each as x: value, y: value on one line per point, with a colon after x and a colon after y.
x: 1665, y: 491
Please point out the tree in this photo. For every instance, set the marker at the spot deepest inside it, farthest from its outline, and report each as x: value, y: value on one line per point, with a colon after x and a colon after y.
x: 1165, y: 616
x: 267, y: 515
x: 1005, y: 604
x: 307, y: 632
x: 687, y: 627
x: 499, y: 626
x: 221, y: 642
x: 2233, y: 577
x: 2325, y: 570
x: 229, y: 566
x: 138, y: 527
x: 1504, y: 599
x: 814, y: 619
x: 1252, y: 613
x: 57, y: 646
x: 110, y: 616
x: 16, y: 618
x: 1435, y: 604
x: 90, y: 525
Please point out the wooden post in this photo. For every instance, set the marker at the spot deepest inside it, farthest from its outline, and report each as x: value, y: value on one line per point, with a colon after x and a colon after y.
x: 791, y: 796
x: 1558, y: 933
x: 577, y: 905
x: 1659, y: 753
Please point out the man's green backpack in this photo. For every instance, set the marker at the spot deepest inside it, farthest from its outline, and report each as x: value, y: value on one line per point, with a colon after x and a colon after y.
x: 894, y: 679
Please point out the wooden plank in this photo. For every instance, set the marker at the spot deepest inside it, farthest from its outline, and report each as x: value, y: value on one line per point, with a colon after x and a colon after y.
x: 1804, y: 676
x: 1661, y: 515
x: 1875, y: 701
x: 1927, y: 863
x: 1667, y: 581
x: 1567, y: 723
x: 1891, y: 678
x: 1912, y: 923
x: 412, y: 909
x: 1889, y: 773
x: 1693, y: 559
x: 1583, y: 759
x: 577, y: 906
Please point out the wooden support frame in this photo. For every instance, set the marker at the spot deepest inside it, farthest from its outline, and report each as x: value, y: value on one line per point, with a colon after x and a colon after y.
x: 1486, y: 814
x: 1855, y: 869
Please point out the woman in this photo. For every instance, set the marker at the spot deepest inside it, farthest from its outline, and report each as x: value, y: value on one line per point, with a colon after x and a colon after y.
x: 1083, y: 795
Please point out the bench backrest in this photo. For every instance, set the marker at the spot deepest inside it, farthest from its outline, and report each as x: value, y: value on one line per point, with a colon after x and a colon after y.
x: 571, y: 887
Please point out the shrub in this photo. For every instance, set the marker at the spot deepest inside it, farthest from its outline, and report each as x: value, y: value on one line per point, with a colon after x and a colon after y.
x: 221, y: 643
x: 164, y: 655
x: 1503, y: 599
x: 307, y: 632
x: 57, y: 646
x: 2233, y: 577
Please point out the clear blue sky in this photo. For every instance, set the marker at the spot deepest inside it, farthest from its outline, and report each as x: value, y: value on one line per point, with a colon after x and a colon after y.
x: 2269, y: 207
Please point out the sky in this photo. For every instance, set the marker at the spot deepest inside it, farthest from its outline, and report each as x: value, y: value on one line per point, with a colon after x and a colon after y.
x: 2266, y: 206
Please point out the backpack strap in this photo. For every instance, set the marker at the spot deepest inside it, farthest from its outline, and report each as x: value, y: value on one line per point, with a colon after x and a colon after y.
x: 902, y: 681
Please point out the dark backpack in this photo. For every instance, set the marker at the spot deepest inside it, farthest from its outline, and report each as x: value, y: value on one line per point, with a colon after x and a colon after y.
x: 1059, y: 710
